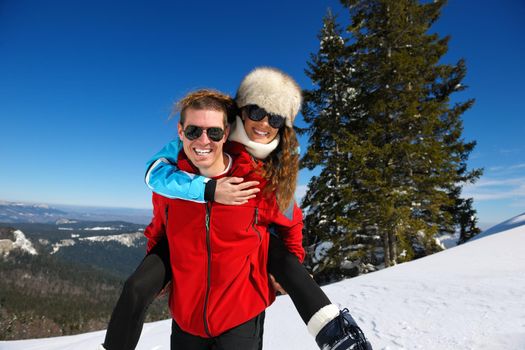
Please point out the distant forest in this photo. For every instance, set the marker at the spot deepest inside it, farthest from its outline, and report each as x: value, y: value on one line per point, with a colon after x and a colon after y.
x: 44, y: 296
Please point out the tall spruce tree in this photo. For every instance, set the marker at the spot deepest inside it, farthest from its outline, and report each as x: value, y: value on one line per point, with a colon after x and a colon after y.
x: 326, y: 112
x: 386, y: 138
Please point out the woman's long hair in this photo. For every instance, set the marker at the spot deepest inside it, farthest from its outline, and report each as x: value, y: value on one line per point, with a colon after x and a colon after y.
x: 281, y: 168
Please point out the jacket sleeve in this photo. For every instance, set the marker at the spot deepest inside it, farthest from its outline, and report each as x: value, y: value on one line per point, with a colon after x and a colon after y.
x: 165, y: 178
x: 156, y: 230
x: 289, y: 226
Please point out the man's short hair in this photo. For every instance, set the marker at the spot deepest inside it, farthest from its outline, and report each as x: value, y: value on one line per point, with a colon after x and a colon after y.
x: 207, y: 99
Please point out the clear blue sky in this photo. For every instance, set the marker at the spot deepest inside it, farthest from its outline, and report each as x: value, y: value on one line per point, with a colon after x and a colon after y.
x: 86, y: 87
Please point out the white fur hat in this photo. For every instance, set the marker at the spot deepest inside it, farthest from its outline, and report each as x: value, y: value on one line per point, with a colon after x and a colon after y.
x: 273, y: 90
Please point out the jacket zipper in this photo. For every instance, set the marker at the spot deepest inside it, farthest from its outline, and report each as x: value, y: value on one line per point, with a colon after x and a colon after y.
x: 255, y: 222
x: 166, y: 215
x: 208, y: 247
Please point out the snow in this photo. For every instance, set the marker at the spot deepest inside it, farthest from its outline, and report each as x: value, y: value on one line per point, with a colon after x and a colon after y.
x: 127, y: 239
x: 62, y: 243
x: 516, y: 221
x: 23, y: 243
x: 65, y: 221
x: 321, y: 250
x: 20, y: 242
x: 100, y: 229
x: 466, y: 297
x: 447, y: 241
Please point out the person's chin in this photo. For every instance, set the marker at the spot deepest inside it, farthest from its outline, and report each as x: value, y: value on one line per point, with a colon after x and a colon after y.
x: 259, y: 139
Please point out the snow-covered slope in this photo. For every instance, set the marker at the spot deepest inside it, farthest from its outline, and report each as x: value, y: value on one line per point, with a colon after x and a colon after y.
x: 516, y: 221
x: 467, y: 297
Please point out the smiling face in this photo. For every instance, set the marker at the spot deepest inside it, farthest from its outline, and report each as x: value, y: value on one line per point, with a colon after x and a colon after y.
x: 259, y: 131
x: 203, y: 152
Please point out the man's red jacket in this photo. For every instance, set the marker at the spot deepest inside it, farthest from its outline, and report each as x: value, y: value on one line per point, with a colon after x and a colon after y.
x: 219, y: 253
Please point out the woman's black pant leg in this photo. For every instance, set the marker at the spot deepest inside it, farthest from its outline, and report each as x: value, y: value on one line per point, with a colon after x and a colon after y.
x: 305, y: 293
x: 139, y: 291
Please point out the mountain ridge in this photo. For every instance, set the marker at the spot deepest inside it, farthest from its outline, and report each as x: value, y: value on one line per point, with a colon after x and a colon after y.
x: 18, y: 212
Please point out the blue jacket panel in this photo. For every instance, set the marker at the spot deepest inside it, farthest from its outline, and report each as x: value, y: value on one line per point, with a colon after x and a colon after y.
x: 165, y: 178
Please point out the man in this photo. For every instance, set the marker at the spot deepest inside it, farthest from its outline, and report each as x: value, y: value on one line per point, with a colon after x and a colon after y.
x: 218, y: 253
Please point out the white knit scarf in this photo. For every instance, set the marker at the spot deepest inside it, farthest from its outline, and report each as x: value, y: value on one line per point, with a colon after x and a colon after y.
x: 258, y: 150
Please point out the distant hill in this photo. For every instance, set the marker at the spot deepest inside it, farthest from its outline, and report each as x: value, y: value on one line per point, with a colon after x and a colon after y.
x: 18, y: 212
x: 58, y: 279
x: 14, y: 212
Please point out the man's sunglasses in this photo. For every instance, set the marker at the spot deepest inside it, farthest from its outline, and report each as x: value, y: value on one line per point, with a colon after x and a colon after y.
x: 257, y: 114
x: 193, y: 132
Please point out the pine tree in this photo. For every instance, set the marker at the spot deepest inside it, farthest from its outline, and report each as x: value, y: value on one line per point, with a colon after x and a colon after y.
x: 325, y: 110
x: 386, y: 138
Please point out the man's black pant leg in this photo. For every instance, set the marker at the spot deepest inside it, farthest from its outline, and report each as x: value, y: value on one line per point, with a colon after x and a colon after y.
x: 181, y: 340
x: 247, y: 336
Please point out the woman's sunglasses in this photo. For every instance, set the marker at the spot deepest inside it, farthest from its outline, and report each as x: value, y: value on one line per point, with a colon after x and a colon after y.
x: 193, y: 132
x: 257, y: 114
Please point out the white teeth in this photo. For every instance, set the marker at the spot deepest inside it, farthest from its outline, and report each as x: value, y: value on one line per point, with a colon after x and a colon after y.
x: 202, y: 152
x: 262, y: 133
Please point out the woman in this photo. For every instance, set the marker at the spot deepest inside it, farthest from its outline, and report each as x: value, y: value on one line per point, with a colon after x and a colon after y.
x: 269, y: 100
